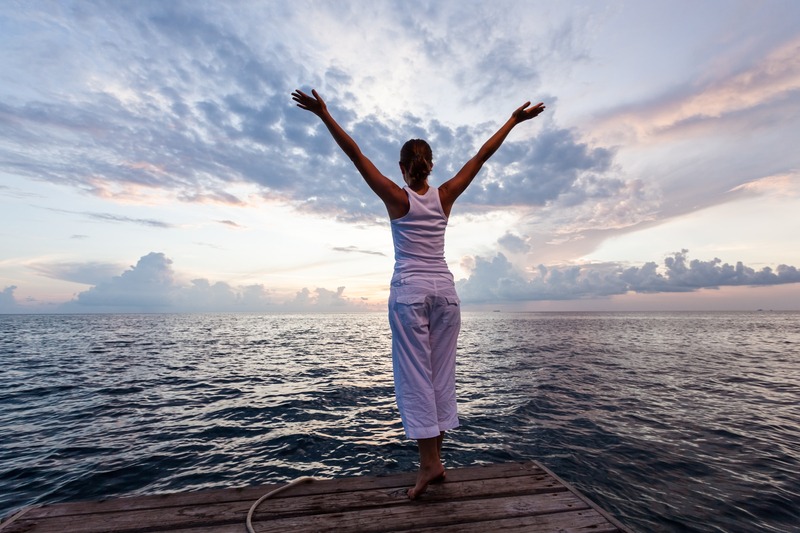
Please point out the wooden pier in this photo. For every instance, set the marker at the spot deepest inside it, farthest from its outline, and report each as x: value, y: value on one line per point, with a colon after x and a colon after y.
x: 501, y: 497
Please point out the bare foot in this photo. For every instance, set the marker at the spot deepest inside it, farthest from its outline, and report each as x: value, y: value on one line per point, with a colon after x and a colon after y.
x: 440, y: 479
x: 424, y: 476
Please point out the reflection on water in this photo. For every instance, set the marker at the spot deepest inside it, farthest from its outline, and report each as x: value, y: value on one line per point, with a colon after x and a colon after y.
x: 673, y: 421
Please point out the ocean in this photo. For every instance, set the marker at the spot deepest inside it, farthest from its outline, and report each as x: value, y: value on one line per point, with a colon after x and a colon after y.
x: 670, y: 421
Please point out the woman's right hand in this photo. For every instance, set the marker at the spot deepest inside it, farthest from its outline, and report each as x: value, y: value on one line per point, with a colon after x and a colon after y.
x: 314, y: 103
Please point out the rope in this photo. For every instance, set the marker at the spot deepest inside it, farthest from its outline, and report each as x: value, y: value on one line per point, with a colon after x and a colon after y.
x: 8, y: 522
x: 270, y: 495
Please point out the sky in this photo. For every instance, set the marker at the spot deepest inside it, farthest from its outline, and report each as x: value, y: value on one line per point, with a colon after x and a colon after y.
x: 152, y: 160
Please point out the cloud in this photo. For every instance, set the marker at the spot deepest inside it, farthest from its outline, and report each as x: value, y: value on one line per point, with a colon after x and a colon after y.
x: 173, y: 99
x: 513, y: 53
x: 768, y: 85
x: 771, y: 78
x: 497, y: 279
x: 319, y: 299
x: 204, y: 296
x: 784, y: 184
x: 111, y: 217
x: 8, y: 303
x: 353, y: 249
x: 189, y: 101
x: 149, y: 285
x: 553, y: 168
x: 538, y: 171
x: 89, y: 273
x: 514, y: 243
x: 183, y: 98
x: 17, y: 194
x: 152, y: 286
x: 230, y: 223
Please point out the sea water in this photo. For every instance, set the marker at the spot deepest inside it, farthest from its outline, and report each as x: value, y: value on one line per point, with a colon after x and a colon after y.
x: 670, y: 421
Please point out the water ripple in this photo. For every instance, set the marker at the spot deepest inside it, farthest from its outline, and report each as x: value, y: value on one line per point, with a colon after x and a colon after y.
x: 674, y: 422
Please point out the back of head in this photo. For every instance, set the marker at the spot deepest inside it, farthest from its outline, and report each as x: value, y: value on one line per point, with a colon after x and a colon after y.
x: 416, y: 156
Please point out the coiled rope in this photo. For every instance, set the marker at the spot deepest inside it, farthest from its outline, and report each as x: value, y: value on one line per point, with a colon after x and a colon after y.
x: 270, y: 494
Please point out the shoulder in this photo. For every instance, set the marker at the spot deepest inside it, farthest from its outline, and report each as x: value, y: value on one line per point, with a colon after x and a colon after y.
x: 399, y: 204
x: 446, y: 199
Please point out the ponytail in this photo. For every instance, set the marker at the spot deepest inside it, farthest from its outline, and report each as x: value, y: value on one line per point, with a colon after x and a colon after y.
x: 416, y: 156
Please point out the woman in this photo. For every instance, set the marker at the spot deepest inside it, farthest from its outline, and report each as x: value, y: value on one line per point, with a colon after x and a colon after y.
x: 424, y: 312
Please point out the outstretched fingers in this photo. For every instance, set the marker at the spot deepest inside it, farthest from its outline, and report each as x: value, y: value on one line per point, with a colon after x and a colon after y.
x: 309, y: 103
x: 521, y: 108
x: 302, y: 99
x: 538, y: 108
x: 524, y: 112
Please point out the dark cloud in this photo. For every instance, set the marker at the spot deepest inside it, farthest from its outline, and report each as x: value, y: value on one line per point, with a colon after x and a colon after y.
x: 554, y: 165
x: 148, y: 126
x: 682, y: 275
x: 110, y: 217
x: 496, y: 279
x: 353, y: 249
x: 230, y: 223
x: 539, y: 171
x: 188, y: 102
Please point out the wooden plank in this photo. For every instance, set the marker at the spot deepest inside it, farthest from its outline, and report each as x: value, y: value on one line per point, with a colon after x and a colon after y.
x: 503, y: 497
x: 583, y: 521
x: 425, y: 514
x: 139, y: 520
x: 290, y: 504
x: 450, y: 490
x: 323, y: 486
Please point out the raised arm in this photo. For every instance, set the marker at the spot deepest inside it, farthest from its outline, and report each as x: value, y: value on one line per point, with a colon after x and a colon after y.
x: 452, y: 189
x: 392, y: 195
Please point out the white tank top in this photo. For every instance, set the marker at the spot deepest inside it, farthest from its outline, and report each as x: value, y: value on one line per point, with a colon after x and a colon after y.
x: 419, y: 236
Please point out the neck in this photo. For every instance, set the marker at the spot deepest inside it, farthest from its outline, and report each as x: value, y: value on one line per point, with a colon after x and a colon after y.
x: 419, y: 188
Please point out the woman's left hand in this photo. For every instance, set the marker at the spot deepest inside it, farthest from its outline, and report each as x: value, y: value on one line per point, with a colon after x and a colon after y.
x: 314, y: 103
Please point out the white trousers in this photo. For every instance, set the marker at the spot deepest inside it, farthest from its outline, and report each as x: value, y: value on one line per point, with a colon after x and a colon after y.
x: 425, y: 318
